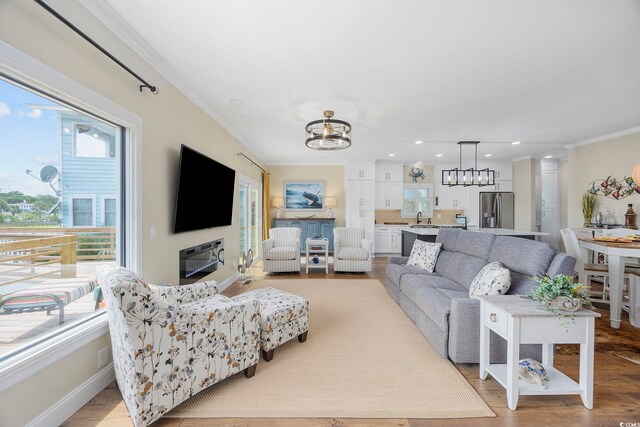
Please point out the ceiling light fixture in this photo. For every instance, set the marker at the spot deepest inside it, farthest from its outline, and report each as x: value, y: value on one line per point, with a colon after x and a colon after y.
x: 548, y: 157
x: 438, y: 155
x: 391, y: 155
x: 328, y: 134
x: 471, y: 176
x: 488, y: 155
x: 419, y: 142
x: 515, y: 143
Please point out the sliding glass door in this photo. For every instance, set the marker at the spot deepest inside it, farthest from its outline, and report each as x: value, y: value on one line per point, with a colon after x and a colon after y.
x: 250, y: 217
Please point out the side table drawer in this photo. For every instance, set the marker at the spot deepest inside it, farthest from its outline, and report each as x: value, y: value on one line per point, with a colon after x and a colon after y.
x: 496, y: 320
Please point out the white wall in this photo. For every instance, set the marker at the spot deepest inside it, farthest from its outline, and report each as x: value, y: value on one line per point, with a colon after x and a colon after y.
x: 524, y: 188
x: 616, y: 157
x: 169, y: 119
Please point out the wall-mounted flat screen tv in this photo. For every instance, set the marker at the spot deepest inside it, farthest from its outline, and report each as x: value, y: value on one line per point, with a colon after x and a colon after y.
x: 204, y: 196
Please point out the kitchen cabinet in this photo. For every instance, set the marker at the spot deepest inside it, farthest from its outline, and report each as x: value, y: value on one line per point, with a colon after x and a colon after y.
x: 388, y: 195
x: 361, y: 194
x: 549, y: 179
x: 388, y: 240
x: 453, y: 198
x: 363, y: 218
x: 389, y: 172
x: 361, y: 171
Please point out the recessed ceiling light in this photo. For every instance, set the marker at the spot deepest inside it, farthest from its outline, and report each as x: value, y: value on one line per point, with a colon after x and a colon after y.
x: 418, y: 142
x: 391, y: 154
x: 515, y: 142
x: 548, y: 157
x: 438, y: 155
x: 418, y: 163
x: 236, y: 101
x: 488, y: 155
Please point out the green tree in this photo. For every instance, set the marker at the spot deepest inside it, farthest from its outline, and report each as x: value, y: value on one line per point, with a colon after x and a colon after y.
x: 14, y: 210
x: 4, y: 206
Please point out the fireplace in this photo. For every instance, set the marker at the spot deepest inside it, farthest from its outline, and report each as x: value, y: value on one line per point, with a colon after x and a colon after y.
x: 199, y: 261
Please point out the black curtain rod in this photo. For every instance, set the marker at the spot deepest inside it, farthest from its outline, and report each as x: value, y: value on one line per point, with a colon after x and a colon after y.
x: 62, y: 19
x: 254, y: 163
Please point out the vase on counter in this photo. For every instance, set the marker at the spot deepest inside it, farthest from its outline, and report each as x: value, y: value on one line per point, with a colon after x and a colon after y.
x: 630, y: 218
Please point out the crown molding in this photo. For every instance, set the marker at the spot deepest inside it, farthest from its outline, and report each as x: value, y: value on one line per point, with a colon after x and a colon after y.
x: 114, y: 23
x: 604, y: 137
x: 527, y: 157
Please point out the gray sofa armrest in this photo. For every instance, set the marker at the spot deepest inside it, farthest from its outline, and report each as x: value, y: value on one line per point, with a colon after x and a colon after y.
x: 464, y: 330
x: 398, y: 259
x: 562, y: 264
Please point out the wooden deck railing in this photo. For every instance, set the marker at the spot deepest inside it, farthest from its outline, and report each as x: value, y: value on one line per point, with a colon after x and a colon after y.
x: 93, y: 243
x: 23, y: 258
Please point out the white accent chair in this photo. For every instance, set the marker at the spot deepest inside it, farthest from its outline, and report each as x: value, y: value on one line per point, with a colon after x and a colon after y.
x: 170, y: 342
x: 281, y: 252
x: 351, y: 251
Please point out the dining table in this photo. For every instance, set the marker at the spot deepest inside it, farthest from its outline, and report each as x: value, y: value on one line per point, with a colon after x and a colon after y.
x: 618, y: 255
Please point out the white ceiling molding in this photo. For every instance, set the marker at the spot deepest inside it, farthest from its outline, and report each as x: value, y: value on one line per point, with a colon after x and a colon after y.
x: 110, y: 19
x: 604, y: 138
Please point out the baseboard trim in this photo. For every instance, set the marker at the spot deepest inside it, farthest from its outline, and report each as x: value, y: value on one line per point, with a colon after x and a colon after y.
x: 72, y: 402
x: 227, y: 282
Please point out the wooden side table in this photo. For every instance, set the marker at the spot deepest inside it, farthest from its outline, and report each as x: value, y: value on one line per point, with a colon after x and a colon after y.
x: 521, y: 321
x: 318, y: 247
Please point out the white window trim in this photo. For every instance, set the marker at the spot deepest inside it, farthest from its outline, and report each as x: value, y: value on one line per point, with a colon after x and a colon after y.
x: 252, y: 184
x: 103, y: 211
x: 30, y: 71
x: 71, y: 198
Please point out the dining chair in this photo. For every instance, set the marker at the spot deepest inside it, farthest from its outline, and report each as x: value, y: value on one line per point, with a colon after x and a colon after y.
x: 584, y: 269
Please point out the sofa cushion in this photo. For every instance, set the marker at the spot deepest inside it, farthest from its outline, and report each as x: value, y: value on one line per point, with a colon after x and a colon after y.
x: 463, y: 268
x: 449, y: 238
x: 493, y: 279
x: 281, y: 253
x: 454, y: 294
x: 435, y: 305
x: 410, y: 283
x: 521, y: 284
x: 353, y: 254
x: 396, y: 271
x: 424, y: 255
x: 524, y: 256
x: 476, y: 244
x: 444, y: 257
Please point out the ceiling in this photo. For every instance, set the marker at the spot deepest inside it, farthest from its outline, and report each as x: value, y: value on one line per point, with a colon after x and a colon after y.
x: 544, y: 73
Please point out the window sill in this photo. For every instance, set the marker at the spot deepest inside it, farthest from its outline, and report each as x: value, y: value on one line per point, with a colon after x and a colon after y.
x: 27, y: 363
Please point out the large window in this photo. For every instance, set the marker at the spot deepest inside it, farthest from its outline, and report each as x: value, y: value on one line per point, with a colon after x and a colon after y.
x: 60, y: 206
x: 250, y: 216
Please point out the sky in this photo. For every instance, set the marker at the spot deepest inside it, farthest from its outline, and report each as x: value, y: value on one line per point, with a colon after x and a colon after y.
x: 28, y: 140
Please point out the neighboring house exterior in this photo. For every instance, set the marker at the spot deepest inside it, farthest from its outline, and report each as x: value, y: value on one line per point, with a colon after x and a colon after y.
x: 88, y: 171
x: 24, y: 206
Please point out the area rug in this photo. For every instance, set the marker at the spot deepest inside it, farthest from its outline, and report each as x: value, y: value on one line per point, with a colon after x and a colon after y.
x: 363, y: 358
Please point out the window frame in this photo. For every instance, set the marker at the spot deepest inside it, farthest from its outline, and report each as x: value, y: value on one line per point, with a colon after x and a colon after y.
x: 74, y: 124
x: 104, y: 211
x: 93, y: 209
x: 22, y: 70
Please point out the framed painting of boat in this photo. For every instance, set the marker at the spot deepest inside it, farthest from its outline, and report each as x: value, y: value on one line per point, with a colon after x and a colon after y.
x: 304, y: 195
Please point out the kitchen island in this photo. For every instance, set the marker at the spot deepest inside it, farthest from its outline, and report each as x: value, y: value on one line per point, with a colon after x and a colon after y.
x: 429, y: 233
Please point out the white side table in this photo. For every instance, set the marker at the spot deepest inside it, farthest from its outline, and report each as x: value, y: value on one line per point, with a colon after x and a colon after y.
x: 318, y: 247
x: 521, y: 321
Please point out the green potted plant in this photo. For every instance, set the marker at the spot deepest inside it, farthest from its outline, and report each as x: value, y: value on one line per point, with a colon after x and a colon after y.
x: 559, y: 295
x: 588, y: 204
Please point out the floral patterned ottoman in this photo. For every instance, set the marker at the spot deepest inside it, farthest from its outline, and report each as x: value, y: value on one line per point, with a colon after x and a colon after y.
x: 283, y: 316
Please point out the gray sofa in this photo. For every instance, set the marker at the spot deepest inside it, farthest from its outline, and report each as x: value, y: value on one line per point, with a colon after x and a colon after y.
x: 439, y: 302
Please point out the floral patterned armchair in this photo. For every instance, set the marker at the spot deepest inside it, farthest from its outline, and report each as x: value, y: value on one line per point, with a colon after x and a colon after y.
x: 170, y: 342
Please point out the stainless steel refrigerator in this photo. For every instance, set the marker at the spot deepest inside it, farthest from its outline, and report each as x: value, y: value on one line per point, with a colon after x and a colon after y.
x: 496, y: 210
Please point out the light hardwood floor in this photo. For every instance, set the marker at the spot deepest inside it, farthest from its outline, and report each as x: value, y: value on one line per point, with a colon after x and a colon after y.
x: 616, y: 386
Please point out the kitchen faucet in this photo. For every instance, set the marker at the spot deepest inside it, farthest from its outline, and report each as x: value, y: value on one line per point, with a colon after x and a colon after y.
x: 418, y: 216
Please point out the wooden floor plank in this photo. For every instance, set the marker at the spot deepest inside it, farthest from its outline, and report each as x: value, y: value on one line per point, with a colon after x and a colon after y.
x: 616, y: 386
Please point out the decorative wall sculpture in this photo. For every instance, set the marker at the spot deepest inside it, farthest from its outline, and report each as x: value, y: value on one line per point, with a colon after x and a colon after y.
x: 614, y: 189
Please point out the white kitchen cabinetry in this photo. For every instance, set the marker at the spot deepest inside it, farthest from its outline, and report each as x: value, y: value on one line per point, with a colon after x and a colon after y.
x: 389, y: 195
x: 363, y: 218
x: 389, y: 173
x: 549, y: 189
x: 361, y: 171
x: 550, y: 213
x: 361, y: 194
x: 388, y: 240
x: 456, y: 197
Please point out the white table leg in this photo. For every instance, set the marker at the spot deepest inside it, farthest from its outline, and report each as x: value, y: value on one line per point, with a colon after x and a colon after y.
x: 326, y: 258
x: 582, y: 276
x: 634, y: 301
x: 547, y: 355
x: 513, y: 357
x: 616, y: 280
x: 485, y: 341
x: 586, y: 364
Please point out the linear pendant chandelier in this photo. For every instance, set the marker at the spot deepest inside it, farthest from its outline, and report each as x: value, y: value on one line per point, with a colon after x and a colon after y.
x: 471, y: 176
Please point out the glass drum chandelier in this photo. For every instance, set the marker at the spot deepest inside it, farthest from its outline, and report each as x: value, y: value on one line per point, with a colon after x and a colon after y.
x: 471, y: 176
x: 328, y: 134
